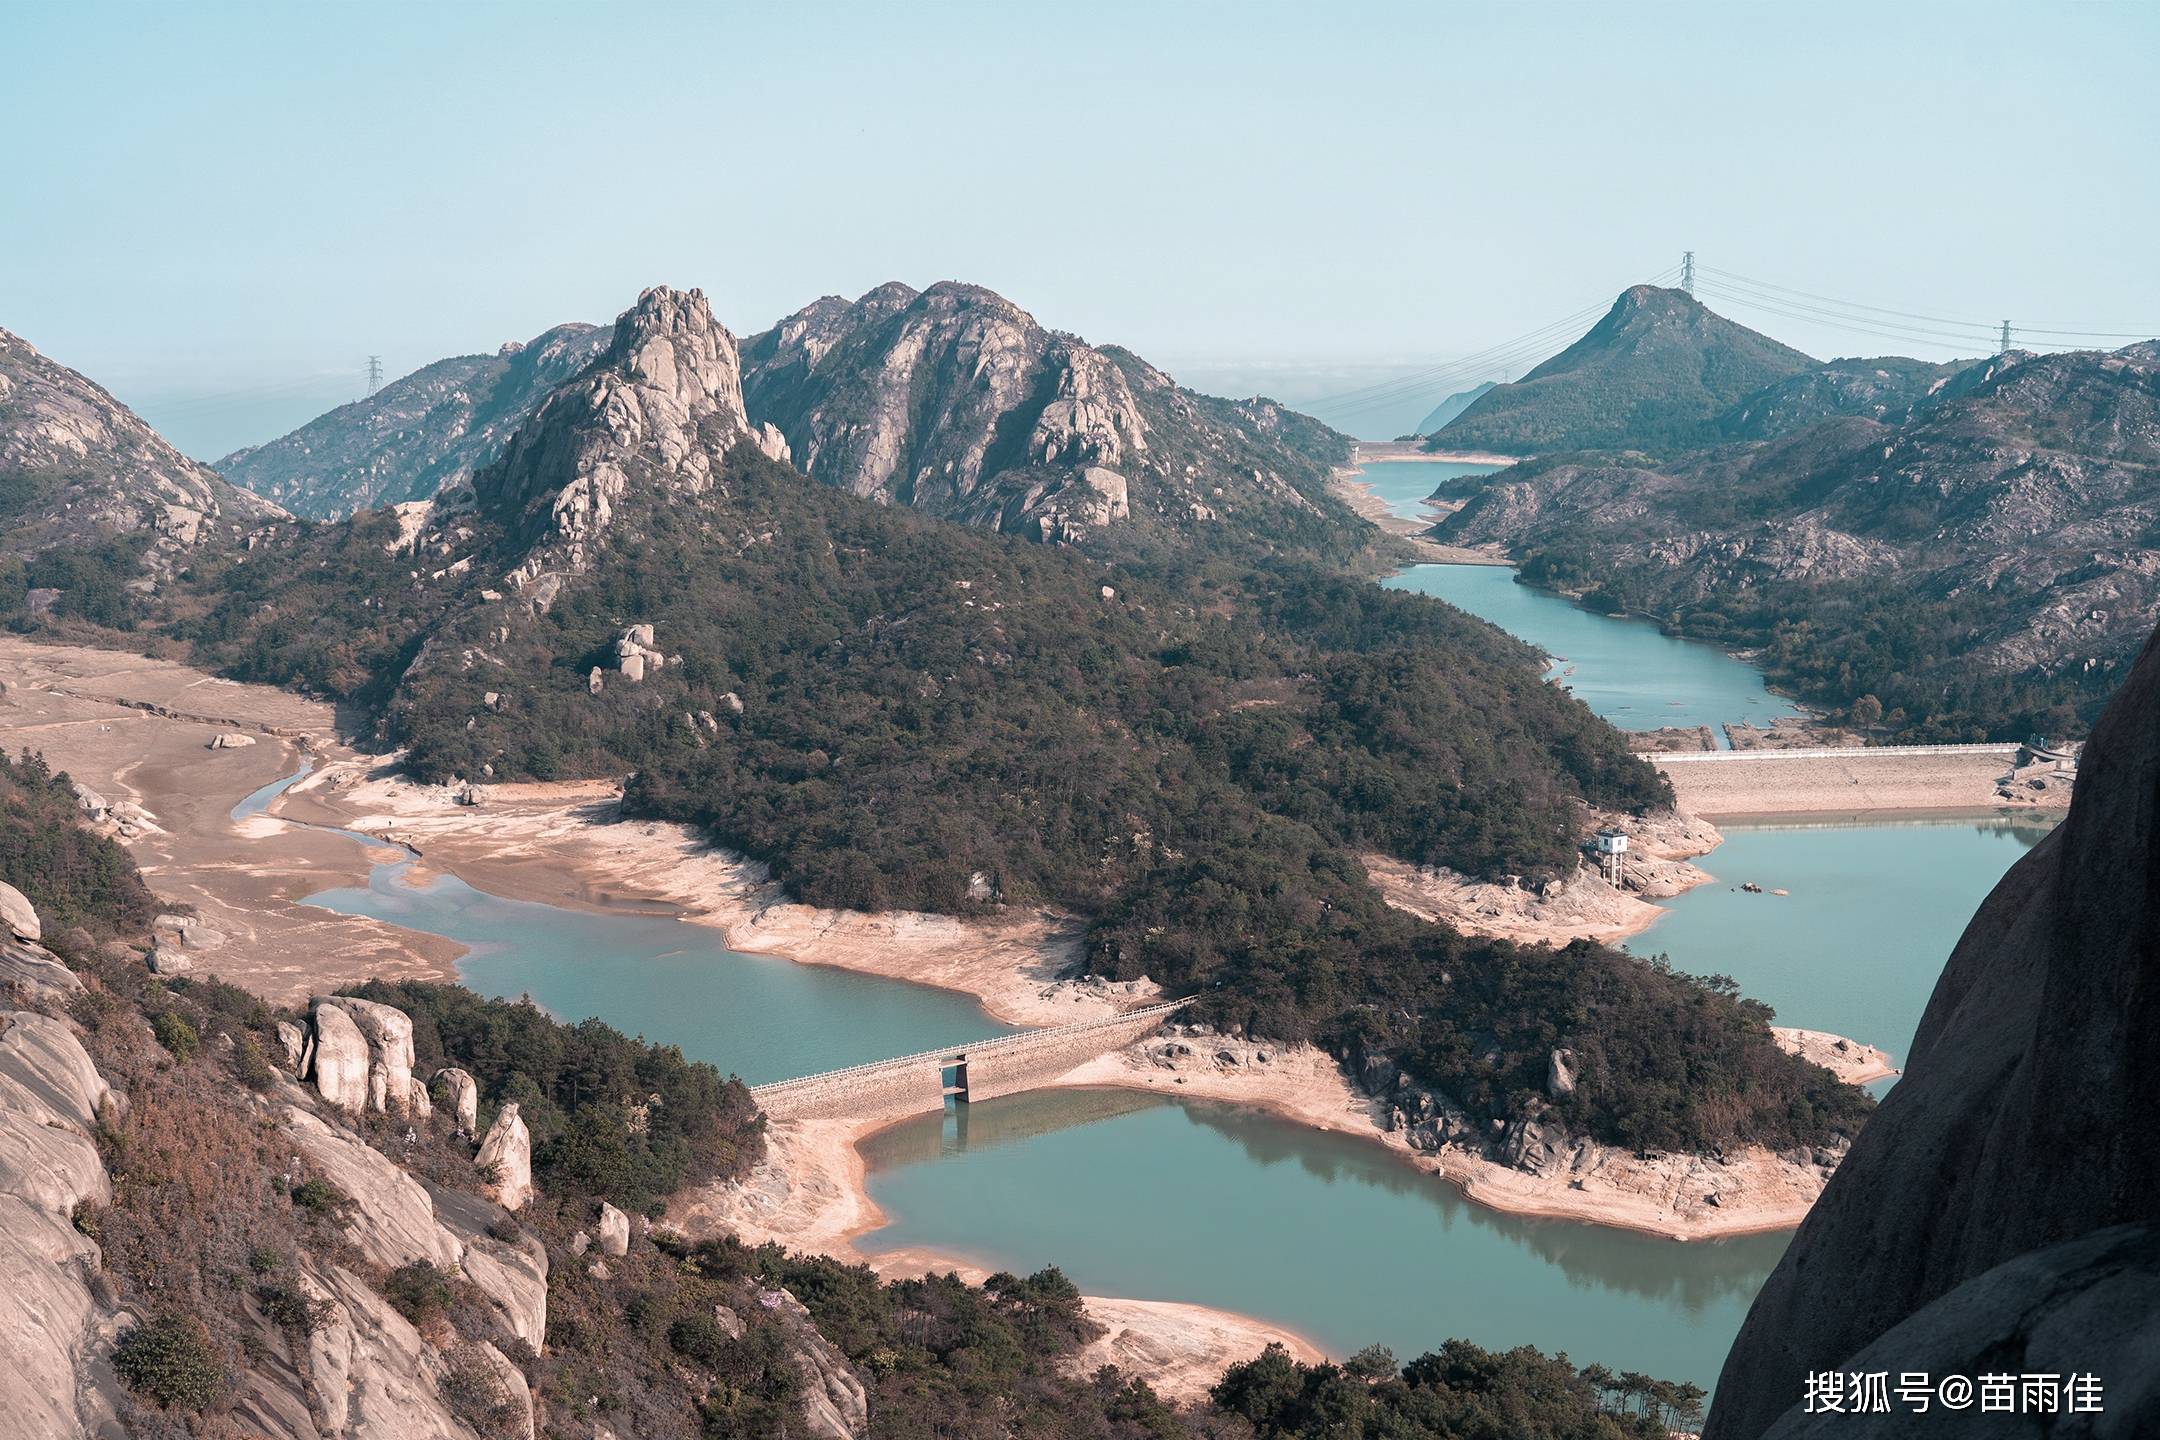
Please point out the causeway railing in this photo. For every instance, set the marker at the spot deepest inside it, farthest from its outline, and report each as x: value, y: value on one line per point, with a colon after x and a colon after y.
x: 1856, y: 752
x: 1000, y: 1042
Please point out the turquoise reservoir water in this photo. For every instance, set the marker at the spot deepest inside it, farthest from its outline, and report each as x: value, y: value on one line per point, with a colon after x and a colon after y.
x: 1404, y: 484
x: 1625, y: 670
x: 1876, y: 906
x: 1329, y: 1235
x: 755, y: 1016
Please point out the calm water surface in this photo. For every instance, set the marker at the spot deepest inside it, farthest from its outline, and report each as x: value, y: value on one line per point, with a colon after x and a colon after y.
x: 1330, y: 1235
x: 1404, y: 484
x: 756, y: 1016
x: 1625, y: 670
x: 1876, y: 906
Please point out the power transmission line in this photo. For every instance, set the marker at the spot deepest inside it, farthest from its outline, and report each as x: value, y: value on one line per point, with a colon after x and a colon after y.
x: 1687, y: 271
x: 1523, y: 350
x: 374, y: 373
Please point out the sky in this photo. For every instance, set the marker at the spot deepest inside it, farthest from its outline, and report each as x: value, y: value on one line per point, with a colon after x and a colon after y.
x: 219, y: 211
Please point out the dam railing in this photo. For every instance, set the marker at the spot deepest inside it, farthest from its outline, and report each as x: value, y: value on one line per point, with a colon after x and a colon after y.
x: 1024, y: 1039
x: 1843, y: 752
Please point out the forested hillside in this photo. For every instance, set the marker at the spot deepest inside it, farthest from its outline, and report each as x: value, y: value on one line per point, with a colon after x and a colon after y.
x: 1654, y: 375
x: 1984, y: 565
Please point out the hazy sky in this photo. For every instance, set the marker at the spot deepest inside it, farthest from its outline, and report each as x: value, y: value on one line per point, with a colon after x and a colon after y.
x: 220, y: 210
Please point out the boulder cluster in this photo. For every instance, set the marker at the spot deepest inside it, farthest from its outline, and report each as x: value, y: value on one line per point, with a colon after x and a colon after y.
x: 359, y: 1056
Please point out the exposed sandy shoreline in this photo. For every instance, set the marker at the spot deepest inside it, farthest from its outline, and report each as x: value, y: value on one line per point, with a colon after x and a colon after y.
x: 1347, y: 487
x: 85, y: 711
x: 1581, y: 907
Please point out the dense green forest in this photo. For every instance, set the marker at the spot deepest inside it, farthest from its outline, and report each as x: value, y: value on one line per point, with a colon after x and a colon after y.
x: 76, y: 879
x: 1189, y: 753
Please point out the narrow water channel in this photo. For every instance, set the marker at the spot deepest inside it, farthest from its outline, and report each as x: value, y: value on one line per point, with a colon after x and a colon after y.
x: 1626, y: 670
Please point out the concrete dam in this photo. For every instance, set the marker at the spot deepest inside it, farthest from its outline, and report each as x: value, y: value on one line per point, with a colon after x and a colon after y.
x: 914, y: 1084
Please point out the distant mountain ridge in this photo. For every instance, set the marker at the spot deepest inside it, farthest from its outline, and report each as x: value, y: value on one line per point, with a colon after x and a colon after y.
x: 1453, y: 406
x: 417, y: 435
x: 955, y: 401
x: 1653, y: 375
x: 81, y: 474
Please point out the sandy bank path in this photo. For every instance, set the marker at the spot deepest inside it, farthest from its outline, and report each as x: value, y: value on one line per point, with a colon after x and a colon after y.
x: 1347, y: 487
x: 567, y: 844
x: 138, y: 732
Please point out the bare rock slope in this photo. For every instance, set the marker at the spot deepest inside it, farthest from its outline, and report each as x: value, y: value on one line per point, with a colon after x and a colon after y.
x: 954, y: 400
x: 78, y: 468
x: 2023, y: 1136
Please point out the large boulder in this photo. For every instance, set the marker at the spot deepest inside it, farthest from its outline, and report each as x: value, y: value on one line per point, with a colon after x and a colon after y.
x: 339, y: 1066
x: 2086, y: 1307
x: 17, y: 916
x: 390, y: 1048
x: 507, y: 1153
x: 463, y: 1097
x: 2025, y: 1117
x: 614, y: 1229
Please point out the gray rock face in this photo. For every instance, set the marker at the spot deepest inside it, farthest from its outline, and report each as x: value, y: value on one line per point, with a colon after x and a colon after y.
x: 2089, y: 1306
x: 835, y: 1405
x: 292, y: 1043
x: 614, y: 1230
x: 1560, y: 1075
x: 339, y: 1066
x: 955, y: 401
x: 464, y: 1097
x: 2024, y: 1118
x: 50, y: 1323
x: 416, y: 436
x: 96, y: 471
x: 663, y: 400
x: 390, y: 1049
x: 507, y: 1152
x: 18, y: 915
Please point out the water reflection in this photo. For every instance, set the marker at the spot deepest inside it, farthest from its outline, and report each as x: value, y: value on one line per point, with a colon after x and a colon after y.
x: 673, y: 982
x: 1161, y: 1197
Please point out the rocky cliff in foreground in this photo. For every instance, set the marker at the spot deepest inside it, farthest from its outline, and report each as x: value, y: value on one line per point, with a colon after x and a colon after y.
x: 417, y: 435
x: 79, y: 470
x: 954, y: 401
x: 2001, y: 1210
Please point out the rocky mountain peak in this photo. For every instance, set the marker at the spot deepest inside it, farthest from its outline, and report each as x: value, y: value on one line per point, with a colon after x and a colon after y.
x: 955, y: 400
x: 656, y: 412
x: 674, y: 353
